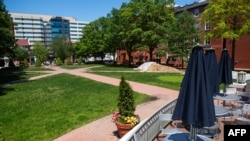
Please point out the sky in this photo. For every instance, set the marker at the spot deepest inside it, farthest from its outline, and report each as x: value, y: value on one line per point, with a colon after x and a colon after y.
x: 82, y: 10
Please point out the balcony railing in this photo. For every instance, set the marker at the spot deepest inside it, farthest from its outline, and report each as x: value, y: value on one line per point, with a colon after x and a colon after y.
x: 149, y: 128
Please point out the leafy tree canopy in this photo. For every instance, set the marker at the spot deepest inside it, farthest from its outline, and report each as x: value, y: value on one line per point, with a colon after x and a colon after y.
x: 62, y: 47
x: 6, y: 34
x: 230, y: 19
x: 40, y: 51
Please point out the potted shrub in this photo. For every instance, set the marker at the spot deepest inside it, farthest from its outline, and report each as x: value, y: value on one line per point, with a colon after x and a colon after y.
x: 125, y: 119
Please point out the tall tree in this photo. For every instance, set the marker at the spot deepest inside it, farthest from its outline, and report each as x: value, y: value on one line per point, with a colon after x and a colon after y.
x: 20, y: 54
x: 7, y: 38
x: 40, y: 51
x: 155, y: 17
x: 62, y: 47
x: 182, y: 33
x: 129, y: 31
x: 230, y: 19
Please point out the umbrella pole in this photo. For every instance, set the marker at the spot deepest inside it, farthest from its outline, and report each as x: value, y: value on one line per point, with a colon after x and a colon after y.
x: 224, y: 93
x: 193, y: 133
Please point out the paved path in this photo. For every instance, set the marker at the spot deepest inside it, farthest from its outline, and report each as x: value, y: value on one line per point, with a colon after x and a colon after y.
x: 103, y: 129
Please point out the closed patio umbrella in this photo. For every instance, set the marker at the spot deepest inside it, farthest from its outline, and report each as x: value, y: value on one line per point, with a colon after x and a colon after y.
x: 212, y: 68
x: 225, y: 69
x: 195, y: 106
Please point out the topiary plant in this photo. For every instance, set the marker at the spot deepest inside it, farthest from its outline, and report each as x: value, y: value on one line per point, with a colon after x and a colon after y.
x: 126, y: 104
x: 125, y: 119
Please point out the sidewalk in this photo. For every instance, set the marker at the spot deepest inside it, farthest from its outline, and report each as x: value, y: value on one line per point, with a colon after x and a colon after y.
x: 103, y: 129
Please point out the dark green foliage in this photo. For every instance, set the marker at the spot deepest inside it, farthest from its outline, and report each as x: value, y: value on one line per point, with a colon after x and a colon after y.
x: 126, y: 102
x: 40, y: 51
x: 59, y: 62
x: 79, y: 61
x: 26, y: 64
x: 69, y: 62
x: 7, y: 38
x: 62, y: 47
x: 38, y: 63
x: 20, y: 54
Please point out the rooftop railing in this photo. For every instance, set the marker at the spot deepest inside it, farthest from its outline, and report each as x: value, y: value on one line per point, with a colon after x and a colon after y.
x: 149, y: 128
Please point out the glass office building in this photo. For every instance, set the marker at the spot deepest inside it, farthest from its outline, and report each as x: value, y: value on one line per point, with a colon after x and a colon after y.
x: 43, y: 28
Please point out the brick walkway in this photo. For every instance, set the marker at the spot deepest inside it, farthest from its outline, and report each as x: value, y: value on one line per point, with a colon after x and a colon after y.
x: 103, y: 129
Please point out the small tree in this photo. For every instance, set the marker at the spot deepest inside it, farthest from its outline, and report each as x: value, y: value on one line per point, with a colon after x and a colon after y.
x: 26, y: 64
x: 126, y: 102
x: 40, y: 51
x: 59, y: 62
x: 79, y: 61
x: 69, y: 62
x: 38, y: 63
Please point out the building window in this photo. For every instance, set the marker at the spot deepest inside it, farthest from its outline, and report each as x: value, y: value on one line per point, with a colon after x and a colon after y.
x: 207, y: 26
x: 197, y: 25
x: 196, y: 12
x: 207, y: 42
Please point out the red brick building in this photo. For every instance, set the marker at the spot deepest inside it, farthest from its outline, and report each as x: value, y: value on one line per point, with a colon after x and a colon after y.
x: 242, y: 50
x: 25, y: 45
x: 242, y: 61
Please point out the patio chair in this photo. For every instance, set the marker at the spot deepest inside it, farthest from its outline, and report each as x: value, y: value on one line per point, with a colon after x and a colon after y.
x: 229, y: 90
x: 163, y: 118
x: 242, y: 121
x: 211, y: 131
x: 230, y: 116
x: 237, y: 105
x: 246, y: 110
x: 247, y: 87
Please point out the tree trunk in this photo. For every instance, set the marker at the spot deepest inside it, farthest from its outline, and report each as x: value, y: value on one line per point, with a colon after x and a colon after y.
x: 233, y: 53
x: 129, y: 58
x: 151, y: 54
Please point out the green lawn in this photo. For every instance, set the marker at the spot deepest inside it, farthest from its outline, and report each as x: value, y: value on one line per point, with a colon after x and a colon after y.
x: 80, y: 66
x: 8, y: 75
x: 49, y: 107
x: 113, y: 68
x: 166, y: 80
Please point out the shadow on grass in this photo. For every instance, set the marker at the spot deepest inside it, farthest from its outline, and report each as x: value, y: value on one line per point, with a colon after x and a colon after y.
x: 4, y: 91
x: 11, y: 74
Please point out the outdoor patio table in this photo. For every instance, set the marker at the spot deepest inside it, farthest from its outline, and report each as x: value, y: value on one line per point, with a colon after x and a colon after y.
x: 245, y: 96
x: 185, y: 137
x: 227, y: 97
x: 220, y: 110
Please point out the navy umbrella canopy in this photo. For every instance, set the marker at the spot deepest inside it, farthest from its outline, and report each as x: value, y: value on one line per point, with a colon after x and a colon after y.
x: 212, y: 68
x: 225, y: 68
x: 195, y: 106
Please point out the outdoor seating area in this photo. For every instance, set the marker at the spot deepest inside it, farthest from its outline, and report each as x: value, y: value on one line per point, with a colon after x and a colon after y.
x: 236, y: 112
x: 195, y: 104
x: 202, y: 108
x: 224, y: 116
